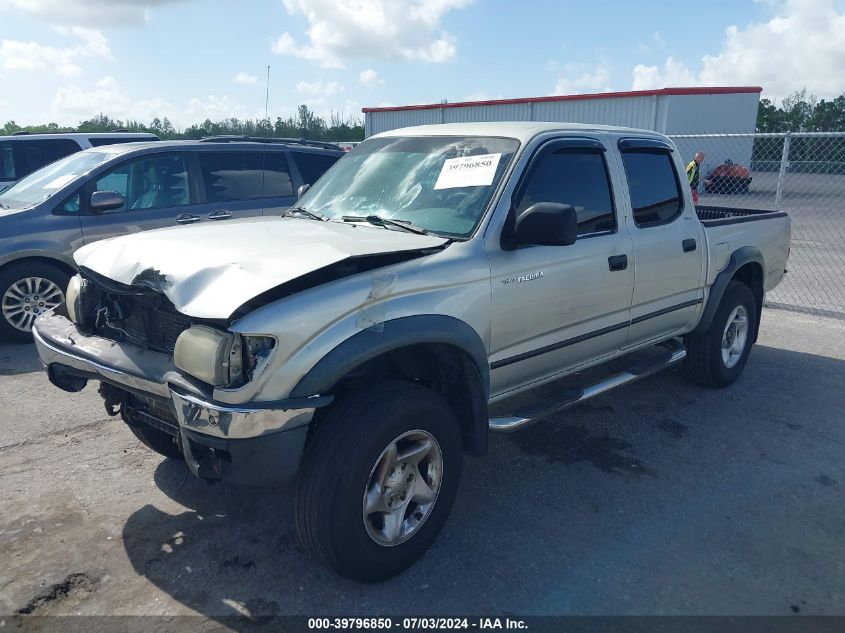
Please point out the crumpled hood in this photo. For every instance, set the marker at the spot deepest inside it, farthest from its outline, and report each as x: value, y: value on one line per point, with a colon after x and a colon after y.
x: 210, y: 270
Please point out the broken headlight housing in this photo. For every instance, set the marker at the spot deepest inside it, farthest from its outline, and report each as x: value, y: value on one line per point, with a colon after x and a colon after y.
x: 81, y: 301
x: 72, y: 295
x: 220, y: 358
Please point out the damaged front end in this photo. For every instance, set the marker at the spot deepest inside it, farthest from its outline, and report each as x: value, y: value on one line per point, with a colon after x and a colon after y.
x: 158, y: 370
x: 138, y: 314
x: 156, y: 330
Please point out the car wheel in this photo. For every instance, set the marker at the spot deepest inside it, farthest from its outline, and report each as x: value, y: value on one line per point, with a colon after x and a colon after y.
x: 717, y: 356
x: 26, y: 291
x: 378, y: 480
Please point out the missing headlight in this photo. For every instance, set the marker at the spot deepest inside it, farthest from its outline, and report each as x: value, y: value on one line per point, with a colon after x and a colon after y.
x: 257, y: 350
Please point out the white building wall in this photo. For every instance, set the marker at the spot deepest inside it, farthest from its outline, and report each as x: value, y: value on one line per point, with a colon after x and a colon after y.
x: 670, y: 114
x: 376, y: 122
x: 626, y: 111
x: 713, y: 114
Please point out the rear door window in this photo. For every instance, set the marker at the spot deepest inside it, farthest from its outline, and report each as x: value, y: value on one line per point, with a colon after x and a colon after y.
x: 313, y: 165
x: 40, y: 152
x: 654, y: 187
x: 244, y: 175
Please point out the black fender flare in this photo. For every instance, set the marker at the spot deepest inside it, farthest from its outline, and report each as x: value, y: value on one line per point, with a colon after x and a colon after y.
x: 388, y: 336
x: 738, y: 259
x: 404, y: 332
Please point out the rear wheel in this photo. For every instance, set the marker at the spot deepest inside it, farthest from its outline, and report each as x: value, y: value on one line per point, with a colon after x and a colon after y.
x: 378, y: 480
x: 27, y: 290
x: 717, y: 356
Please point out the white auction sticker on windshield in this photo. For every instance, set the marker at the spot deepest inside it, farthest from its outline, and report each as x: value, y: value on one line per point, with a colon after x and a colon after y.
x: 468, y: 171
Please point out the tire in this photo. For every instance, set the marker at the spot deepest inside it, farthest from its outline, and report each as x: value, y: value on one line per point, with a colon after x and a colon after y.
x: 15, y: 289
x: 345, y: 458
x: 158, y: 441
x: 705, y: 361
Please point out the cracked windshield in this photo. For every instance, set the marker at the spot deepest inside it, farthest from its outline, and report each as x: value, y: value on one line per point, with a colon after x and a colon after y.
x: 440, y: 184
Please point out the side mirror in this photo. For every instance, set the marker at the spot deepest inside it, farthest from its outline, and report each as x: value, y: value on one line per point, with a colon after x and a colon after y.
x: 547, y: 224
x: 301, y: 191
x: 102, y: 201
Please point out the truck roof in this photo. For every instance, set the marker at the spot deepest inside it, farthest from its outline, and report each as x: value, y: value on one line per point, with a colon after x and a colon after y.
x: 520, y: 130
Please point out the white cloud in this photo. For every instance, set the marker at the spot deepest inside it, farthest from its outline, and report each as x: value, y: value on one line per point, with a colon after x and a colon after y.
x: 319, y: 87
x: 72, y: 104
x: 243, y: 78
x: 370, y: 78
x: 88, y: 12
x: 673, y: 73
x: 802, y: 46
x: 214, y: 108
x: 32, y: 56
x: 342, y: 30
x: 579, y: 79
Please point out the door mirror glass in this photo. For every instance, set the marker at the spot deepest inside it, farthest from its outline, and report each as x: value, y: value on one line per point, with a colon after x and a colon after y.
x: 102, y: 201
x: 547, y: 224
x: 301, y: 191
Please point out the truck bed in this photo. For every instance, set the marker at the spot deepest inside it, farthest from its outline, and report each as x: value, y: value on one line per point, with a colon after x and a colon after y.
x: 730, y: 228
x: 720, y: 215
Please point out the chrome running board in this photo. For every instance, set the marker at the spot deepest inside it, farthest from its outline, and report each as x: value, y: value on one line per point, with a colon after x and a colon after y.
x: 674, y: 353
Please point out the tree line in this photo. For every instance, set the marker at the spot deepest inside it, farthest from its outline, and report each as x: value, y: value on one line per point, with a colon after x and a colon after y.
x: 798, y: 112
x: 304, y: 124
x: 802, y: 112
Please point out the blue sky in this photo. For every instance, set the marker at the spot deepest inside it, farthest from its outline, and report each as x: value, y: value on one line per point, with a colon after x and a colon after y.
x: 65, y: 60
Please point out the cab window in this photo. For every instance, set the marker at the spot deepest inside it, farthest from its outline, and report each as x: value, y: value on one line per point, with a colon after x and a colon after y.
x: 654, y: 187
x: 577, y: 177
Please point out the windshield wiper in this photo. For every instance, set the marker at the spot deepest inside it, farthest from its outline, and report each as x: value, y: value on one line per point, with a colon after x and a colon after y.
x: 3, y: 205
x: 377, y: 220
x: 303, y: 211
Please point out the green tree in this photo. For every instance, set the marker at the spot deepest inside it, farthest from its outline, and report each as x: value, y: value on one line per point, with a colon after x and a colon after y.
x: 305, y: 123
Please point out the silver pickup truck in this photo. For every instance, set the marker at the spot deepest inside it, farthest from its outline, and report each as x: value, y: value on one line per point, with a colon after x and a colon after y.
x: 356, y: 344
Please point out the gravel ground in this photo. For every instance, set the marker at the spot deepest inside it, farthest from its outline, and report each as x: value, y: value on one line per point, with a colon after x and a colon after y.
x: 662, y: 498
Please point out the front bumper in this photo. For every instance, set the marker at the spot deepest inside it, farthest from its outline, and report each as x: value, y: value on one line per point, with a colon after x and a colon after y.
x: 254, y: 443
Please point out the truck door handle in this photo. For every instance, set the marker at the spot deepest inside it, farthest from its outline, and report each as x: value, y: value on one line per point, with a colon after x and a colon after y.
x: 617, y: 262
x: 689, y: 245
x: 187, y: 218
x: 220, y: 214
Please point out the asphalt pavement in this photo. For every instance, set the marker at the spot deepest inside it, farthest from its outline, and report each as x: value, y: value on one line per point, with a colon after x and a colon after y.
x: 660, y: 498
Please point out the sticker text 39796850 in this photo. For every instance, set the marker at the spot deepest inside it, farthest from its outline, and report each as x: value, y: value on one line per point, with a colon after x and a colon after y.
x: 468, y: 171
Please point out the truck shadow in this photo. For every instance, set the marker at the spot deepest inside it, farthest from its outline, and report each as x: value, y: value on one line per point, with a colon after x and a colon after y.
x: 18, y: 358
x: 537, y: 528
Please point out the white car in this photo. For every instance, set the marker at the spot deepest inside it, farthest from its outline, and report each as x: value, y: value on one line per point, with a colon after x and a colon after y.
x: 23, y: 153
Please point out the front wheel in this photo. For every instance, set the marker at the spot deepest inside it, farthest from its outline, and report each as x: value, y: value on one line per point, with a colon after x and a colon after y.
x: 378, y: 480
x: 717, y: 356
x: 27, y: 290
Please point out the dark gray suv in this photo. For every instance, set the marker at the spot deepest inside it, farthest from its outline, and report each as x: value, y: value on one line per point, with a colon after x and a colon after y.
x: 113, y: 190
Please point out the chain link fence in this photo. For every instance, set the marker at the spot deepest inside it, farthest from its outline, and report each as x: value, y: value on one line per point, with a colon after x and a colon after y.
x: 802, y: 173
